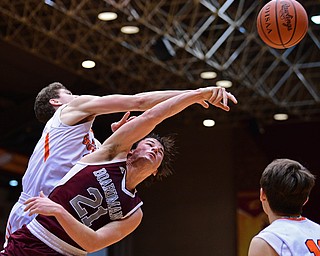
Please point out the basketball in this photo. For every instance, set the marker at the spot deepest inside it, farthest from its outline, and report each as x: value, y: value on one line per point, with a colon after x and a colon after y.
x: 282, y: 23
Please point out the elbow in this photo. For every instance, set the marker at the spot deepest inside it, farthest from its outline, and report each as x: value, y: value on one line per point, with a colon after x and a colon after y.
x: 90, y: 248
x: 91, y: 245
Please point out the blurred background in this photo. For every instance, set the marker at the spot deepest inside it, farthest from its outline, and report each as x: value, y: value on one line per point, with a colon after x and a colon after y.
x: 210, y: 206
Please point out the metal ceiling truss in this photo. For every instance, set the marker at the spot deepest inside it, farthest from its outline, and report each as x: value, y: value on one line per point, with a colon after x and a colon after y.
x: 202, y: 35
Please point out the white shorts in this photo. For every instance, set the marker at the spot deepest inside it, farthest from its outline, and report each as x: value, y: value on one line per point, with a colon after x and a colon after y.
x: 18, y: 217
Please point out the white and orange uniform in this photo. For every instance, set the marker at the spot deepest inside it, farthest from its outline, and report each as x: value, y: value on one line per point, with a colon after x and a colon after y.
x: 57, y: 151
x: 293, y: 237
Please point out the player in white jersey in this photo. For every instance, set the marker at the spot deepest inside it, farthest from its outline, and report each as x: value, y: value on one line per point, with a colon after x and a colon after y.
x: 96, y: 202
x: 285, y: 188
x: 67, y: 136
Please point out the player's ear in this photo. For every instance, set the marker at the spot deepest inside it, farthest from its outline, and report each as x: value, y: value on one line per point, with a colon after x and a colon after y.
x: 263, y: 196
x: 55, y: 102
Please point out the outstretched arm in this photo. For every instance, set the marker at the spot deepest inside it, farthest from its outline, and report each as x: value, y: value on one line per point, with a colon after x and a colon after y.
x: 87, y: 107
x: 120, y: 142
x: 86, y: 237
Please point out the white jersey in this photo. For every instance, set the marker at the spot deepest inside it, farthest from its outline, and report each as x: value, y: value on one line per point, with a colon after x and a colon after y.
x: 293, y: 237
x: 58, y: 149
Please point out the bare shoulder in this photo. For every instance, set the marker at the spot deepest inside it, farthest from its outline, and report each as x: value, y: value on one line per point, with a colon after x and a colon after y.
x: 78, y: 110
x: 259, y: 247
x: 78, y: 101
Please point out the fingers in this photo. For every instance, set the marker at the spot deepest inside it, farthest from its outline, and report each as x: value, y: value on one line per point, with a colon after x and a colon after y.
x: 204, y: 104
x: 213, y: 96
x: 220, y: 98
x: 232, y: 98
x: 30, y: 200
x: 32, y: 203
x: 131, y: 118
x: 116, y: 125
x: 125, y: 117
x: 224, y: 97
x: 30, y: 207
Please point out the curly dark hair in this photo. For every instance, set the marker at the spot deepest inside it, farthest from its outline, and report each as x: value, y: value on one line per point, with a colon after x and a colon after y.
x: 42, y: 107
x: 287, y: 185
x: 166, y: 167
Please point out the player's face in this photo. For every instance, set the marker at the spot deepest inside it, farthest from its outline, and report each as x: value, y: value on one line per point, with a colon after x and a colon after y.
x: 65, y: 96
x: 151, y: 150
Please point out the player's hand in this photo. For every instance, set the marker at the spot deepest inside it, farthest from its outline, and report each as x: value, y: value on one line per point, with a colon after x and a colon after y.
x: 41, y: 205
x: 116, y: 125
x: 220, y: 97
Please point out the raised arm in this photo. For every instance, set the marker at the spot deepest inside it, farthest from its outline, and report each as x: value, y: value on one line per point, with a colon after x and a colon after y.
x: 120, y: 142
x: 86, y: 237
x: 86, y: 107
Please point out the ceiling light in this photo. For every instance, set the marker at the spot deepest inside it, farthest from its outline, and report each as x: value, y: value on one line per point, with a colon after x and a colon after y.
x: 224, y: 83
x: 208, y: 75
x: 242, y: 30
x: 129, y: 29
x: 208, y: 123
x: 107, y: 16
x: 316, y: 19
x: 13, y: 183
x: 50, y: 2
x: 280, y: 117
x: 88, y: 64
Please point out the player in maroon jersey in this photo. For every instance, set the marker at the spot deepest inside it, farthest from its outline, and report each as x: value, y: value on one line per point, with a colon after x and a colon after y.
x: 96, y: 204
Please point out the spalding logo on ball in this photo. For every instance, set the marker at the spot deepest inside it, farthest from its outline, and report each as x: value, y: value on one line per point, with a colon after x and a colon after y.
x: 282, y: 23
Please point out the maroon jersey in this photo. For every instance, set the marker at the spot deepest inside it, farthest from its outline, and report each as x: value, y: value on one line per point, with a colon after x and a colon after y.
x: 94, y: 194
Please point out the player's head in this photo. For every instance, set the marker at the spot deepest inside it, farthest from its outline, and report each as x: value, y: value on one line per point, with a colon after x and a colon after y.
x: 43, y: 106
x: 287, y: 185
x: 168, y: 149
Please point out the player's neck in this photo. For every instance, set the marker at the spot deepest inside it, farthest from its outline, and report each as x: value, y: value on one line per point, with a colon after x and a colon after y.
x: 133, y: 177
x: 289, y: 217
x: 292, y: 217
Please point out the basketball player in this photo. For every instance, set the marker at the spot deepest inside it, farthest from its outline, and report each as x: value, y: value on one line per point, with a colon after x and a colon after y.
x: 67, y: 136
x: 96, y: 204
x: 285, y: 188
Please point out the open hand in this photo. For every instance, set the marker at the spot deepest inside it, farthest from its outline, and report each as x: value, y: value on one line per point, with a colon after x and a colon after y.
x: 41, y: 205
x: 219, y: 97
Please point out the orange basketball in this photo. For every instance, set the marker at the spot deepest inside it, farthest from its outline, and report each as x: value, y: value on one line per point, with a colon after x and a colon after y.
x: 282, y: 23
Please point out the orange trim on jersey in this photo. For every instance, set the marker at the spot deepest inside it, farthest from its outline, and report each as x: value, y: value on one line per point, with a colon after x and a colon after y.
x: 294, y: 218
x: 8, y: 231
x: 46, y: 148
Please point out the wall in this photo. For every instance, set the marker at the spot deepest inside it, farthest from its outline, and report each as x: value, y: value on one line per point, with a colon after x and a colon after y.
x: 193, y: 211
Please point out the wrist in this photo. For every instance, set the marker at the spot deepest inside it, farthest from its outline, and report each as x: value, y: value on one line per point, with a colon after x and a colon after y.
x: 58, y: 210
x: 205, y: 92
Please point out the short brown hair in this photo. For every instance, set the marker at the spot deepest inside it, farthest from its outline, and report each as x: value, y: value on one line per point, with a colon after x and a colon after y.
x: 166, y: 167
x: 42, y: 107
x: 287, y: 185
